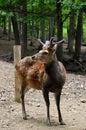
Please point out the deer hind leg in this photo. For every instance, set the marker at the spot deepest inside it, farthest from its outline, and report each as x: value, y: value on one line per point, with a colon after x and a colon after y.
x: 22, y: 101
x: 57, y: 97
x: 46, y: 98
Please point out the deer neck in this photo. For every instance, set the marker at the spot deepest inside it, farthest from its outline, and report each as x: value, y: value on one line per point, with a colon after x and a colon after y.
x: 52, y: 66
x: 53, y: 70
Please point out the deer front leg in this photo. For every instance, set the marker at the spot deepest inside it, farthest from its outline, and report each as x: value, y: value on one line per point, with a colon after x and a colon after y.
x: 46, y: 98
x: 57, y: 97
x: 23, y: 103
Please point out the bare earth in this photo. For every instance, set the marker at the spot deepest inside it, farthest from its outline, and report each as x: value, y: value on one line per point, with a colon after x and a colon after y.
x: 72, y: 106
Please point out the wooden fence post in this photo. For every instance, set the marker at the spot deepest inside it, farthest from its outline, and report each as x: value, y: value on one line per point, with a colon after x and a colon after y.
x: 17, y: 57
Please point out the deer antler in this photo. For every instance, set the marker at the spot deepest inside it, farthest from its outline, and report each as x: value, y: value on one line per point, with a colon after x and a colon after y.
x: 40, y: 41
x: 61, y: 41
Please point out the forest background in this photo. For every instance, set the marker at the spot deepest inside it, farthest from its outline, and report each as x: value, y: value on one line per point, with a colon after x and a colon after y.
x: 33, y: 19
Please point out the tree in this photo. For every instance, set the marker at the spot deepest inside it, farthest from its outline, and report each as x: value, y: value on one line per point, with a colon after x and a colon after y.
x: 59, y: 51
x: 4, y: 22
x: 33, y: 26
x: 15, y: 30
x: 71, y: 29
x: 42, y: 23
x: 9, y: 27
x: 24, y: 29
x: 78, y: 35
x: 51, y: 27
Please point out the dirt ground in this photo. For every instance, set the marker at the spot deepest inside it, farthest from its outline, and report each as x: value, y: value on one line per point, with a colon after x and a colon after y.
x: 73, y: 103
x: 73, y: 110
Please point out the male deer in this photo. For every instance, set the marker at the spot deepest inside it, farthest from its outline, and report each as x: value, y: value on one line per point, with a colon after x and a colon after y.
x: 44, y: 72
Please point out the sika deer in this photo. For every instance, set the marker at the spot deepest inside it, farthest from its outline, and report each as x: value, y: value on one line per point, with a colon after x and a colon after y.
x: 43, y: 71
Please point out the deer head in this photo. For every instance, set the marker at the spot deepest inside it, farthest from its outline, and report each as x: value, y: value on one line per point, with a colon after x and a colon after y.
x: 47, y: 53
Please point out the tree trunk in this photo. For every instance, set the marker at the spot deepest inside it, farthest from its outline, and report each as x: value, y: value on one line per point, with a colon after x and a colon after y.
x: 19, y: 22
x: 33, y: 29
x: 42, y: 24
x: 43, y: 30
x: 24, y: 30
x: 54, y: 26
x: 4, y: 29
x: 59, y: 51
x: 9, y: 28
x: 15, y: 30
x: 50, y: 27
x: 32, y: 25
x: 78, y: 36
x: 71, y: 31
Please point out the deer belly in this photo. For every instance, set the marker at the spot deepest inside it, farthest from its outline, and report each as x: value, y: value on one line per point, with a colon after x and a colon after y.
x: 34, y: 84
x: 52, y: 86
x: 54, y: 89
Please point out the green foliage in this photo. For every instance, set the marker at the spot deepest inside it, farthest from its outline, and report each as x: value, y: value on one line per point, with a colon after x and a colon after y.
x: 4, y: 13
x: 41, y: 9
x: 77, y: 5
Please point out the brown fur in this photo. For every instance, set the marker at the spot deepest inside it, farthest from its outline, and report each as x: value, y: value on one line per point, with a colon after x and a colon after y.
x: 30, y: 72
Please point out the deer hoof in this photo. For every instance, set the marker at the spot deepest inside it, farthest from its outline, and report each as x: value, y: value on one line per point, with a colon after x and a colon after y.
x: 25, y: 118
x: 49, y: 123
x: 62, y: 123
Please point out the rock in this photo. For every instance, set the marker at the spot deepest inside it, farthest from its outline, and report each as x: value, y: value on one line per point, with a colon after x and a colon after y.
x: 3, y: 99
x: 83, y: 100
x: 38, y: 105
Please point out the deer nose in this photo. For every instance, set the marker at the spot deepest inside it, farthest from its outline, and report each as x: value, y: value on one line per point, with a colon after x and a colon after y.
x: 33, y: 57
